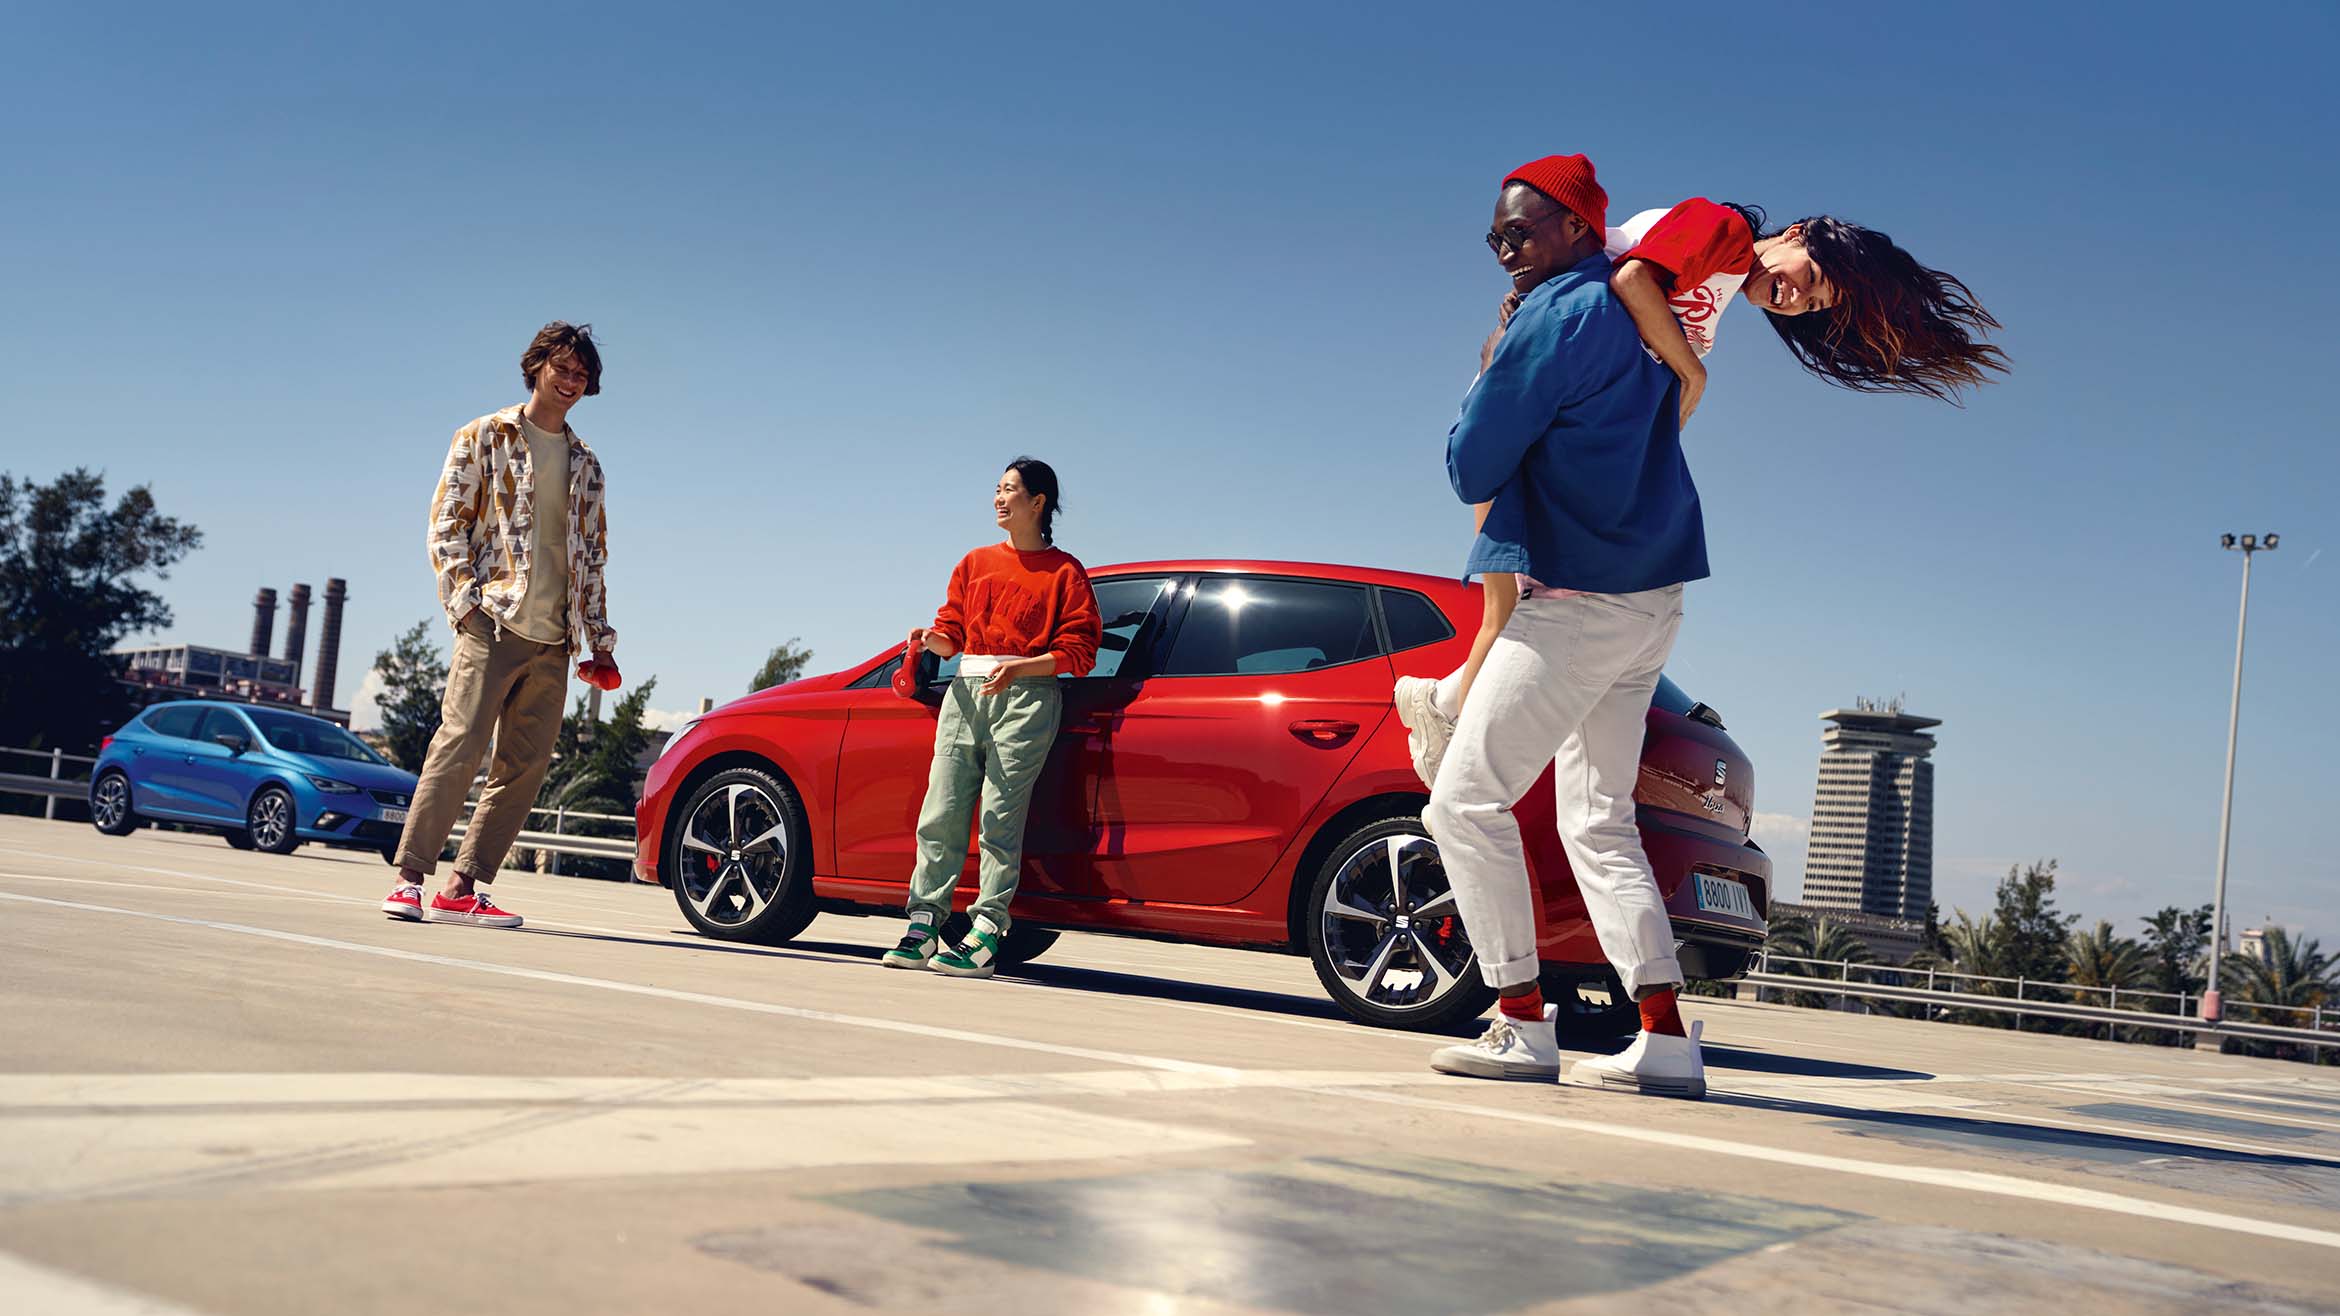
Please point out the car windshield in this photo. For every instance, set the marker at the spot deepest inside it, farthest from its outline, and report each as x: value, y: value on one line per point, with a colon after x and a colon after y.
x: 304, y: 735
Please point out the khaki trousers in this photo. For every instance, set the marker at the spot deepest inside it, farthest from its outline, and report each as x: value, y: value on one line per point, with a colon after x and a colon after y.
x: 989, y: 748
x: 500, y: 688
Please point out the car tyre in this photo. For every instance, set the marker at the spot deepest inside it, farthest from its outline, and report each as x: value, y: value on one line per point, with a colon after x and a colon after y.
x: 269, y: 821
x: 1380, y: 904
x: 237, y: 839
x: 740, y: 860
x: 109, y: 805
x: 1593, y: 1004
x: 390, y: 855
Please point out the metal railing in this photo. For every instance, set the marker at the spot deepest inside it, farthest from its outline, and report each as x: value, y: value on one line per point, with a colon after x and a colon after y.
x: 54, y: 786
x: 1931, y: 995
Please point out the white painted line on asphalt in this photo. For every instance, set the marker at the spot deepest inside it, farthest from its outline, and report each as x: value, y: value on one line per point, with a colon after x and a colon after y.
x: 111, y: 1096
x: 28, y: 1288
x: 1971, y: 1181
x: 2162, y: 1097
x: 639, y: 989
x: 172, y: 890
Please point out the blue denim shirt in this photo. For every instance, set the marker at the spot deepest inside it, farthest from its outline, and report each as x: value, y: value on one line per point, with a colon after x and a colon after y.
x: 1574, y: 433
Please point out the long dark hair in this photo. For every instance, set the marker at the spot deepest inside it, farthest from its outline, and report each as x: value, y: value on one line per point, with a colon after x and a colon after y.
x: 1897, y: 327
x: 1040, y: 478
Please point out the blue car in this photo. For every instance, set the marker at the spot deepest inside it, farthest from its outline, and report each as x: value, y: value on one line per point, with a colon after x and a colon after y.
x: 266, y: 778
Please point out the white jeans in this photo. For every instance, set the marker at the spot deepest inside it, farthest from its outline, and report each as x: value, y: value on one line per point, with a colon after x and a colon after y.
x: 1569, y: 683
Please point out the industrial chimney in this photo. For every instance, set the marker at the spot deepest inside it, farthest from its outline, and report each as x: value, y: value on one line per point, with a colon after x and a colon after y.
x: 329, y: 643
x: 263, y: 621
x: 296, y: 629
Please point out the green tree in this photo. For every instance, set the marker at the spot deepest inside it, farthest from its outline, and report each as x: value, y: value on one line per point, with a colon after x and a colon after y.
x: 593, y: 771
x: 68, y: 564
x: 2283, y: 972
x: 2035, y: 932
x: 2101, y: 959
x: 1815, y: 939
x: 2177, y: 948
x: 785, y: 664
x: 414, y: 683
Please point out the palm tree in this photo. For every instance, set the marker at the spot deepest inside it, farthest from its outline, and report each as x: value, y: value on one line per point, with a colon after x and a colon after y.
x: 2098, y: 958
x: 1815, y: 939
x: 2283, y: 973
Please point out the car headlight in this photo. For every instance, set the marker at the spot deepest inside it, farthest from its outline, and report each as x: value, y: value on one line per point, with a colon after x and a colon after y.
x: 676, y: 738
x: 330, y: 786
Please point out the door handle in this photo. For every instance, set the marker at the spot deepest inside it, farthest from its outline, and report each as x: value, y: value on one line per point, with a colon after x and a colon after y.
x: 1331, y: 733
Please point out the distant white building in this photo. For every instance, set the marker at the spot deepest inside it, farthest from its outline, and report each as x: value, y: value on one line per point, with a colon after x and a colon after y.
x: 1872, y: 841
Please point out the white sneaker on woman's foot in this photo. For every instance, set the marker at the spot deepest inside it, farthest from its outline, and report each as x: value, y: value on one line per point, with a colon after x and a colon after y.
x: 1656, y: 1064
x: 1427, y: 729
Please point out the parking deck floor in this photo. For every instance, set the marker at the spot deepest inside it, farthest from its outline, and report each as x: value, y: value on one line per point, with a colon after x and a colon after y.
x: 228, y: 1084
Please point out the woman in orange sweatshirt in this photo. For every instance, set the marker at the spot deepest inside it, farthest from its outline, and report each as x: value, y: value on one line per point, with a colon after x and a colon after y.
x: 1018, y: 614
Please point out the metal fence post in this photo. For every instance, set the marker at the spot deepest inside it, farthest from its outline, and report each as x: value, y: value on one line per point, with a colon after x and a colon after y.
x: 560, y: 825
x: 56, y: 770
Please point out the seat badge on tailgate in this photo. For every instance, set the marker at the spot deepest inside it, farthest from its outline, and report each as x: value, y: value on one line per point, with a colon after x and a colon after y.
x: 1712, y: 800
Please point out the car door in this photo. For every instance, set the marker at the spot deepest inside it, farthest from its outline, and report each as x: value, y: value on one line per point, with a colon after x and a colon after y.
x: 219, y: 780
x: 888, y: 750
x: 159, y: 778
x: 1267, y: 688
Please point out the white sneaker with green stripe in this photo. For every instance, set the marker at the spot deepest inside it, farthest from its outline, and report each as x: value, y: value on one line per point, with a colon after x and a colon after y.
x: 977, y: 956
x: 918, y: 945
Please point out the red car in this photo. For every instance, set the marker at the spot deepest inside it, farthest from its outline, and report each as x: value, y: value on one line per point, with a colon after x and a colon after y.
x: 1232, y: 773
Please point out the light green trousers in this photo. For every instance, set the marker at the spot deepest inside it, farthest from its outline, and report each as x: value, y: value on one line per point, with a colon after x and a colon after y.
x: 993, y: 745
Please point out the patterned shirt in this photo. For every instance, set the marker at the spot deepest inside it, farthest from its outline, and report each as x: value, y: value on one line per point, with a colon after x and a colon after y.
x: 483, y: 530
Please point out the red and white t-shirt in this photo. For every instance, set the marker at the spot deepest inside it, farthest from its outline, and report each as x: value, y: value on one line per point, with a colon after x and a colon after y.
x: 1707, y: 248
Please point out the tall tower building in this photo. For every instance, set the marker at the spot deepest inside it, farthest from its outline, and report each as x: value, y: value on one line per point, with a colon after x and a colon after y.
x: 1872, y: 843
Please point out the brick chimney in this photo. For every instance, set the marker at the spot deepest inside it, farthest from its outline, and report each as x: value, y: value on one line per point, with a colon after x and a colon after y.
x: 329, y: 643
x: 263, y: 621
x: 296, y: 629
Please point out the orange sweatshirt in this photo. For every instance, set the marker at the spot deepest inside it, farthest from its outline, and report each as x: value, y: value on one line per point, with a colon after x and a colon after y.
x: 1010, y: 604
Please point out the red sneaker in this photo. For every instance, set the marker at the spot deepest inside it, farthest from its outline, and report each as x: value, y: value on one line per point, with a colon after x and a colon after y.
x: 404, y: 901
x: 475, y: 909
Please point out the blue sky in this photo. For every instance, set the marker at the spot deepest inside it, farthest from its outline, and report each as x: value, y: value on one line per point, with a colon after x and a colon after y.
x: 1220, y: 264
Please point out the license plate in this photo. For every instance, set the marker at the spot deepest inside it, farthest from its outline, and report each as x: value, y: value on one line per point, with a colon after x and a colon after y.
x: 394, y: 815
x: 1721, y: 895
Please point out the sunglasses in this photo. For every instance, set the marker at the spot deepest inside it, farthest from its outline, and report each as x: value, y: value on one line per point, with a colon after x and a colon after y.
x: 1511, y: 237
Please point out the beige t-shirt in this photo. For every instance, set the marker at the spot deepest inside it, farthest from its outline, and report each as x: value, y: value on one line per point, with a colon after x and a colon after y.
x: 543, y: 615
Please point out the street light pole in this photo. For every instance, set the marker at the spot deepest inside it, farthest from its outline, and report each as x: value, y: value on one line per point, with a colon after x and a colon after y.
x: 2212, y: 1007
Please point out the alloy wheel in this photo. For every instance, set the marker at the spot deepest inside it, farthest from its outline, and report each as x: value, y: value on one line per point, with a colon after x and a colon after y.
x: 271, y: 819
x: 111, y: 804
x: 1391, y: 931
x: 734, y: 854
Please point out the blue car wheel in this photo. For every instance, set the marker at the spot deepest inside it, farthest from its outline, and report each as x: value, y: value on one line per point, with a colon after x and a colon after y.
x: 269, y: 821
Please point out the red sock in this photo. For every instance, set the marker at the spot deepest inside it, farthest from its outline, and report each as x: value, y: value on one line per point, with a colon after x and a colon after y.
x: 1659, y: 1015
x: 1529, y: 1007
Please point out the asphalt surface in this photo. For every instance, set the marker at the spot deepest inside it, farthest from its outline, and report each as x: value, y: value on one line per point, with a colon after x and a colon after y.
x: 228, y: 1084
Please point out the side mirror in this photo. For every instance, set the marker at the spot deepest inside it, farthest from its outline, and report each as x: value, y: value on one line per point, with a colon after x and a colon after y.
x: 233, y: 743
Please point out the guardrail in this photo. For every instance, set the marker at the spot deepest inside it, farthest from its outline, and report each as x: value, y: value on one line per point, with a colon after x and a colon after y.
x: 55, y: 786
x: 1937, y: 1000
x: 2186, y: 1003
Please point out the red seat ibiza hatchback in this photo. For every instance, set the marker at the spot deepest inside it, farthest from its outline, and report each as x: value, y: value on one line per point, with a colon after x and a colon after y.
x: 1232, y: 773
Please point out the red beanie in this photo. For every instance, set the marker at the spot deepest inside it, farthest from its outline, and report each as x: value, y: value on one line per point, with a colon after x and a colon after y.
x: 1567, y: 179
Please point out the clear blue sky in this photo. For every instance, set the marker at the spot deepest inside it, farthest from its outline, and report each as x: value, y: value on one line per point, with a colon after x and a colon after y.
x: 1220, y: 264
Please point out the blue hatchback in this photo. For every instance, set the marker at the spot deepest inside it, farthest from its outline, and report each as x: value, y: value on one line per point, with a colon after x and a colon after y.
x: 266, y: 778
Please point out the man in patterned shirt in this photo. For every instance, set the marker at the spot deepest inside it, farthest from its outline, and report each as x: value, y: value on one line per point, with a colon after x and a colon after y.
x: 518, y: 538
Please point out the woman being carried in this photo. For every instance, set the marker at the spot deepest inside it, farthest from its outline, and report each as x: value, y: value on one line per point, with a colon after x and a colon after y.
x: 1852, y: 307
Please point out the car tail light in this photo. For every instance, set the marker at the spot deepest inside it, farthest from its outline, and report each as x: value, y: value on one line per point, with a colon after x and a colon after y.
x: 105, y: 744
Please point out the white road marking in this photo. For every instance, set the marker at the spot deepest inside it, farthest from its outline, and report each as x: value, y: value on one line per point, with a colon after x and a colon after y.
x: 25, y: 1287
x: 1972, y: 1181
x: 2163, y: 1097
x: 173, y: 890
x: 638, y: 989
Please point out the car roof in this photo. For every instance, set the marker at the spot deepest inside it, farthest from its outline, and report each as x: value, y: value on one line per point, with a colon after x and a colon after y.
x: 1413, y: 580
x: 232, y: 705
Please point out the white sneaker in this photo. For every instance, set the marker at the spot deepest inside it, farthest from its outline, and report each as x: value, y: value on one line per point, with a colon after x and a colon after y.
x: 1656, y: 1064
x: 1427, y: 729
x: 1510, y: 1048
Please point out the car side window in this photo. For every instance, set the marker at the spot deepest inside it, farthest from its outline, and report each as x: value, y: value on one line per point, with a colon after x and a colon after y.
x: 1413, y: 620
x: 178, y: 722
x: 1124, y: 605
x: 220, y: 722
x: 1261, y: 626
